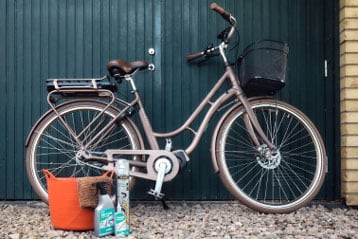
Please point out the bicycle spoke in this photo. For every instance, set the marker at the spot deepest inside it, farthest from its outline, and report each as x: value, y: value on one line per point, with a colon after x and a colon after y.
x: 291, y: 157
x: 284, y: 176
x: 114, y: 139
x: 301, y: 169
x: 246, y: 174
x: 65, y: 165
x: 258, y: 183
x: 61, y: 150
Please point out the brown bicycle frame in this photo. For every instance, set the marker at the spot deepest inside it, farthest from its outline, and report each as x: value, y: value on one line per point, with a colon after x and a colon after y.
x: 251, y: 122
x: 235, y: 92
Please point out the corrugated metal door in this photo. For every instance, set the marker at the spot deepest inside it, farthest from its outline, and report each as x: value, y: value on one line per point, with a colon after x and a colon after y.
x: 44, y: 39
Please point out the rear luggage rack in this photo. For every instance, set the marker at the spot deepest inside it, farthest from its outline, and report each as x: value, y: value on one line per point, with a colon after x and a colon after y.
x: 86, y: 83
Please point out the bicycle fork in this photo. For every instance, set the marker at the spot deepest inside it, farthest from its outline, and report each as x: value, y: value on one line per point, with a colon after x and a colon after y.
x: 250, y: 120
x: 268, y: 156
x: 253, y: 126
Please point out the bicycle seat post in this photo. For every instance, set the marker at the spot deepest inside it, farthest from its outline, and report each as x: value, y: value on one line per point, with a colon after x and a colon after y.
x: 130, y: 79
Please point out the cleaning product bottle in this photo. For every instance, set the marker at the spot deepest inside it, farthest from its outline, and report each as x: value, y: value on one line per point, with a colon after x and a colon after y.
x: 104, y: 212
x: 121, y: 217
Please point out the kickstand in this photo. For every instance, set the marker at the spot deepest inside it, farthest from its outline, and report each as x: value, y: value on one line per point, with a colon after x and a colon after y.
x: 164, y: 204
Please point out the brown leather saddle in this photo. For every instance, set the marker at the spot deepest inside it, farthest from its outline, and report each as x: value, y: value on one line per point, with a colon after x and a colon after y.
x: 117, y: 67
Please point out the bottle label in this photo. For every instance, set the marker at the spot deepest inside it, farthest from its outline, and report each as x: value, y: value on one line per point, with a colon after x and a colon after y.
x: 106, y: 221
x: 122, y: 227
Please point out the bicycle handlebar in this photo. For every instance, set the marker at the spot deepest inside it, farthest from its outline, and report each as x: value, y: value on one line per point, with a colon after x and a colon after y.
x: 229, y: 18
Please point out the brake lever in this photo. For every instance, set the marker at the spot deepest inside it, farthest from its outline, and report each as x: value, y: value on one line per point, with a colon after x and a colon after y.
x: 208, y: 53
x: 210, y: 49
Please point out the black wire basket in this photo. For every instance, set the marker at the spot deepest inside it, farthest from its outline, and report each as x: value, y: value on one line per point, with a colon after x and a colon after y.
x: 262, y: 67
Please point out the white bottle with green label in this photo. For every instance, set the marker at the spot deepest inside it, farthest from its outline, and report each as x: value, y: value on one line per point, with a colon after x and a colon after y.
x: 122, y: 228
x: 104, y: 213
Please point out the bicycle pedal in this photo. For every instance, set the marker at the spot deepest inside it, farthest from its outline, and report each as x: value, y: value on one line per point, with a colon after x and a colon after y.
x: 157, y: 195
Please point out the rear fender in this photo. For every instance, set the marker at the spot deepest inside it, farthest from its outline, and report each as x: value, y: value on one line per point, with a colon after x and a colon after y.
x: 36, y: 124
x: 43, y: 117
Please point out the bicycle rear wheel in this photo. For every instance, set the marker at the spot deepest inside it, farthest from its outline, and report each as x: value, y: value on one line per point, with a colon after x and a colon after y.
x: 54, y: 148
x: 272, y: 181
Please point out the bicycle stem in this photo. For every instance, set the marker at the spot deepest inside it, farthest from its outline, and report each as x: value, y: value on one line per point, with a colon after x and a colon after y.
x: 222, y: 47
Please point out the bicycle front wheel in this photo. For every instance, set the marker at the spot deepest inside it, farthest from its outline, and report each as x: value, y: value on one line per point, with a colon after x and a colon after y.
x: 272, y: 181
x: 53, y: 146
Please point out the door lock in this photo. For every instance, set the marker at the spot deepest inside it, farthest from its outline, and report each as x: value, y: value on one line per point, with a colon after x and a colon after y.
x: 151, y: 51
x: 151, y: 67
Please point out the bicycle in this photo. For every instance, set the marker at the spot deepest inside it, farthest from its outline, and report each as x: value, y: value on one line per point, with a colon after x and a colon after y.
x: 269, y: 155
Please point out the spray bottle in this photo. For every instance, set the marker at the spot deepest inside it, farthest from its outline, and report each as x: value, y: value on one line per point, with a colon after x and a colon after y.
x: 104, y: 212
x: 122, y: 215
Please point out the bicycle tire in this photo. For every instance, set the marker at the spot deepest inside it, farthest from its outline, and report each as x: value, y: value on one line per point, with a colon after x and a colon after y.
x: 268, y: 181
x: 52, y: 147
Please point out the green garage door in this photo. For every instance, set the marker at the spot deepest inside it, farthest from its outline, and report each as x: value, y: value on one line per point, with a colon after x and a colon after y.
x: 43, y: 39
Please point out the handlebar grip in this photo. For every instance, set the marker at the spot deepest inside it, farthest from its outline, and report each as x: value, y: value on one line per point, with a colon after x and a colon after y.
x: 215, y: 7
x: 194, y: 56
